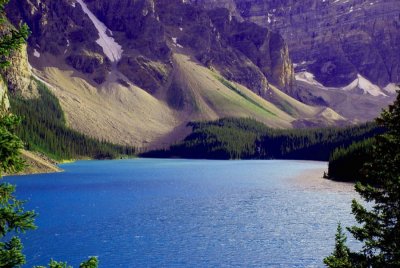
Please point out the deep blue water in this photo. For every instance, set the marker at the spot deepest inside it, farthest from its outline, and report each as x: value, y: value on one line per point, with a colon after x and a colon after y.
x: 184, y: 213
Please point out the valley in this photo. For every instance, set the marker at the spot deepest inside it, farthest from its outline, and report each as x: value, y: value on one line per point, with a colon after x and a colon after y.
x: 302, y: 98
x: 139, y: 79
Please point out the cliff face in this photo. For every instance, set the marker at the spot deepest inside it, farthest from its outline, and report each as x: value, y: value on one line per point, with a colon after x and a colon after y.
x: 136, y: 71
x: 334, y: 39
x: 17, y: 77
x: 244, y: 52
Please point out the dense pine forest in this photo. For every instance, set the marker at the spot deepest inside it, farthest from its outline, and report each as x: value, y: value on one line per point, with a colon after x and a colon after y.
x: 248, y: 139
x: 346, y: 163
x: 43, y: 129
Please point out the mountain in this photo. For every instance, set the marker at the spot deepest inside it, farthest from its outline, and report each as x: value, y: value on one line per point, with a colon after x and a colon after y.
x: 136, y: 71
x: 335, y: 43
x: 336, y: 40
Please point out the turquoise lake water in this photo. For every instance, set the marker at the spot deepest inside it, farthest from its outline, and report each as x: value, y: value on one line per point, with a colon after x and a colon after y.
x: 184, y: 213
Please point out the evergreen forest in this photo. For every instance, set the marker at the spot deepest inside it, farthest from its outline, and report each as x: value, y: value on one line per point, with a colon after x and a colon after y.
x: 43, y: 129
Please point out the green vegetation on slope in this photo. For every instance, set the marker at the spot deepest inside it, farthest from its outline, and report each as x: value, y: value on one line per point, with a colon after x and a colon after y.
x: 241, y: 94
x: 44, y: 129
x: 248, y: 139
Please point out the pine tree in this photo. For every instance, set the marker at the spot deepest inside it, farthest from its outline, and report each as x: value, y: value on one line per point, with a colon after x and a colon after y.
x: 340, y: 257
x: 13, y: 218
x: 379, y: 226
x: 92, y: 262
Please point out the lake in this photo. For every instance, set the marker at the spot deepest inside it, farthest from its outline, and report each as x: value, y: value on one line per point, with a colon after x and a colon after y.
x: 185, y: 213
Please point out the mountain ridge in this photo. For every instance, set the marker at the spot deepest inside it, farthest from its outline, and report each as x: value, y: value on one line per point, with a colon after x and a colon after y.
x: 169, y: 63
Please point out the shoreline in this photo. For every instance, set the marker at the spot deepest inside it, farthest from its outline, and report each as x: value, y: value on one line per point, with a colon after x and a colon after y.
x: 37, y: 163
x: 313, y: 179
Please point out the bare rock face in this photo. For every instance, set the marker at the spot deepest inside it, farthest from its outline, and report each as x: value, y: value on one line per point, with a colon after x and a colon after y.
x: 333, y: 39
x: 243, y: 52
x: 17, y: 75
x: 61, y: 29
x: 146, y: 30
x: 5, y: 103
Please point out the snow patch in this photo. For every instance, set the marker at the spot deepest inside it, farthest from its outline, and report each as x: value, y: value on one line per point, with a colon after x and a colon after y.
x: 269, y: 18
x: 36, y: 53
x: 175, y: 41
x: 361, y: 85
x: 307, y: 77
x: 365, y: 85
x: 391, y: 88
x: 111, y: 49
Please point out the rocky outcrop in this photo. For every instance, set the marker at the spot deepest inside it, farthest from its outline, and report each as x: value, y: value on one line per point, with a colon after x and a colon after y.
x: 133, y: 70
x: 17, y: 76
x: 241, y: 51
x: 4, y: 102
x: 334, y: 39
x: 61, y: 29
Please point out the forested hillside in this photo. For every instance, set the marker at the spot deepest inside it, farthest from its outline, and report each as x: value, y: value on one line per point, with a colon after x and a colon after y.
x: 345, y: 164
x: 44, y: 129
x: 249, y: 139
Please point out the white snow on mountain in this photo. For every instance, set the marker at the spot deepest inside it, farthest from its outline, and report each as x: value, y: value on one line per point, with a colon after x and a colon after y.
x: 36, y: 53
x: 366, y: 87
x: 360, y: 85
x: 111, y: 48
x: 391, y: 88
x: 175, y: 41
x: 308, y: 78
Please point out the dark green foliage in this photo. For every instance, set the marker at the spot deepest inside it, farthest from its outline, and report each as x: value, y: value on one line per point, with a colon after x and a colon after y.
x: 345, y: 164
x: 43, y: 129
x: 248, y: 139
x: 378, y: 226
x: 92, y: 262
x: 55, y: 264
x: 13, y: 39
x: 340, y: 257
x: 313, y: 144
x: 13, y: 218
x: 10, y: 144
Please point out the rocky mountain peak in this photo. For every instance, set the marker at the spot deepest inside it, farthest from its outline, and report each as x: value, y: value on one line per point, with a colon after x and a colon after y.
x: 336, y: 40
x: 139, y: 70
x: 91, y: 35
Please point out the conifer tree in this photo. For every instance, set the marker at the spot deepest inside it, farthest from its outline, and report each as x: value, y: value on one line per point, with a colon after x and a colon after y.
x: 13, y: 218
x: 379, y: 226
x: 340, y: 257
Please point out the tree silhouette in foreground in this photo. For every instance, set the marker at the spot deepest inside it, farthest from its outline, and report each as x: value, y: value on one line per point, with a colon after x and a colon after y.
x: 13, y: 218
x: 379, y: 226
